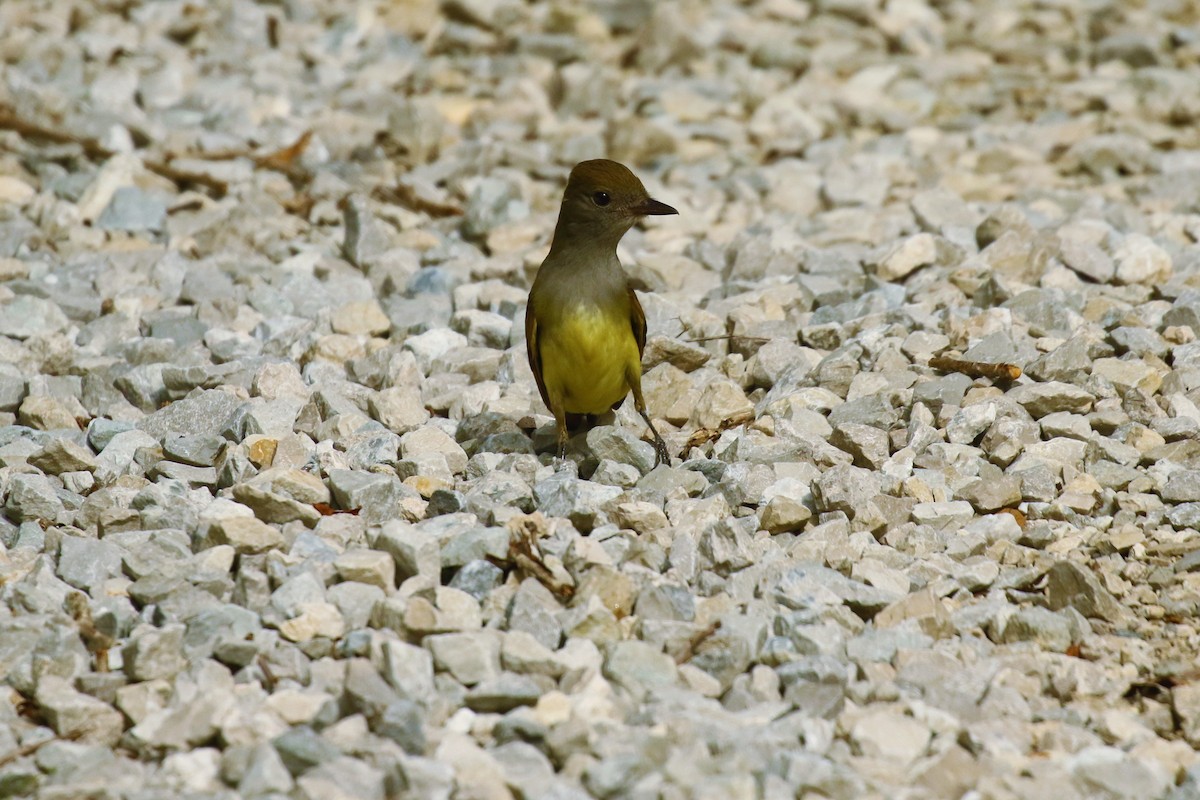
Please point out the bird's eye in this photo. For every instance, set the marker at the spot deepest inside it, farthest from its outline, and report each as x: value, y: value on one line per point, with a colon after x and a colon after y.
x: 601, y: 198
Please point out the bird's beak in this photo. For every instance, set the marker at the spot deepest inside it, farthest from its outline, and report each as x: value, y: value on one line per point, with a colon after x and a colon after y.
x: 651, y: 208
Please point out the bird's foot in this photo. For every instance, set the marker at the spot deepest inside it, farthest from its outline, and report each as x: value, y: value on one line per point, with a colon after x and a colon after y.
x: 661, y: 454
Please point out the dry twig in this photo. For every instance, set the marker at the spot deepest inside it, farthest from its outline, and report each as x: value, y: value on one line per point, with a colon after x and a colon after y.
x: 96, y: 641
x: 30, y: 749
x: 702, y: 436
x: 525, y: 555
x: 694, y: 643
x: 98, y: 152
x: 726, y: 337
x: 404, y: 195
x: 282, y: 160
x: 976, y: 369
x: 1016, y: 514
x: 269, y: 679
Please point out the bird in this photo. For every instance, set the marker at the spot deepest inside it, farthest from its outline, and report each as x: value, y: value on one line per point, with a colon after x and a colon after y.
x: 585, y: 329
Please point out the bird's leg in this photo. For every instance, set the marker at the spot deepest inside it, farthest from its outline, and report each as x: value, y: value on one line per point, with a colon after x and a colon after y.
x: 560, y: 425
x: 661, y: 456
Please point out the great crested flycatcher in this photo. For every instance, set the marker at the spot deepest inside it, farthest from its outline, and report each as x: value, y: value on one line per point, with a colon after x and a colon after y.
x: 584, y: 327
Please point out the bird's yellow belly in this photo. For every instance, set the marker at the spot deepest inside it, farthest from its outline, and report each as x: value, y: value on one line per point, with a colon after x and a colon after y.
x: 586, y: 361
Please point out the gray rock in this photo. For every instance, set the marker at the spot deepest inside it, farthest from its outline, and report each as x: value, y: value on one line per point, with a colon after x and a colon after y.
x: 342, y: 778
x: 33, y: 497
x: 143, y: 386
x: 87, y: 563
x: 275, y: 508
x: 946, y: 390
x: 615, y: 443
x: 812, y: 585
x: 991, y: 491
x: 376, y: 497
x: 415, y: 551
x: 535, y: 610
x: 867, y: 444
x: 355, y: 601
x: 204, y: 413
x: 563, y: 495
x: 1140, y: 260
x: 46, y: 413
x: 462, y: 541
x: 1134, y: 48
x: 12, y: 391
x: 1088, y: 260
x: 845, y: 488
x: 529, y: 770
x: 523, y: 654
x: 133, y: 209
x: 409, y: 670
x: 155, y: 653
x: 503, y: 693
x: 470, y: 657
x: 1111, y: 771
x: 1008, y: 437
x: 63, y: 455
x: 1049, y: 630
x: 1183, y: 486
x: 403, y: 722
x: 266, y: 773
x: 1071, y: 361
x: 1184, y: 515
x: 617, y: 774
x: 301, y: 749
x: 1069, y: 584
x: 247, y: 535
x: 1139, y: 341
x: 101, y: 431
x: 196, y: 451
x: 477, y: 578
x: 814, y: 685
x: 494, y: 202
x: 366, y: 691
x: 943, y: 212
x: 1040, y: 399
x: 639, y: 667
x: 906, y: 256
x: 665, y: 601
x: 76, y: 715
x: 25, y: 316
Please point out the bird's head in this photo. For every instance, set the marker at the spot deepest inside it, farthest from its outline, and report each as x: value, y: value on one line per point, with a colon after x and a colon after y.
x: 602, y: 201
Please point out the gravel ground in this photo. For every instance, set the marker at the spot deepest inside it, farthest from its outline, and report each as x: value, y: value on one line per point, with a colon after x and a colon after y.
x: 280, y: 518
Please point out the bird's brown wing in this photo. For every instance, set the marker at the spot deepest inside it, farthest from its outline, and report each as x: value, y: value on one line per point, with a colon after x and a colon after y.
x: 637, y: 322
x: 533, y: 351
x: 637, y: 319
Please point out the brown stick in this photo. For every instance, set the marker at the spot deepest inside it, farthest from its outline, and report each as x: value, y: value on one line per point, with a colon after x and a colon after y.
x: 525, y: 555
x: 404, y: 195
x: 30, y: 749
x: 98, y: 152
x: 704, y: 435
x: 284, y: 159
x: 94, y: 640
x: 727, y: 337
x: 976, y: 369
x: 700, y: 638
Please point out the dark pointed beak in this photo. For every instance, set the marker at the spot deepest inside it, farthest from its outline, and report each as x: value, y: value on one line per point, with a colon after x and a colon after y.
x: 652, y: 208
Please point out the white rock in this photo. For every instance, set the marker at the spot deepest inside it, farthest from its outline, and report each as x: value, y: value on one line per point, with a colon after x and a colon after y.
x: 891, y: 735
x: 1140, y: 260
x: 908, y: 255
x: 15, y: 191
